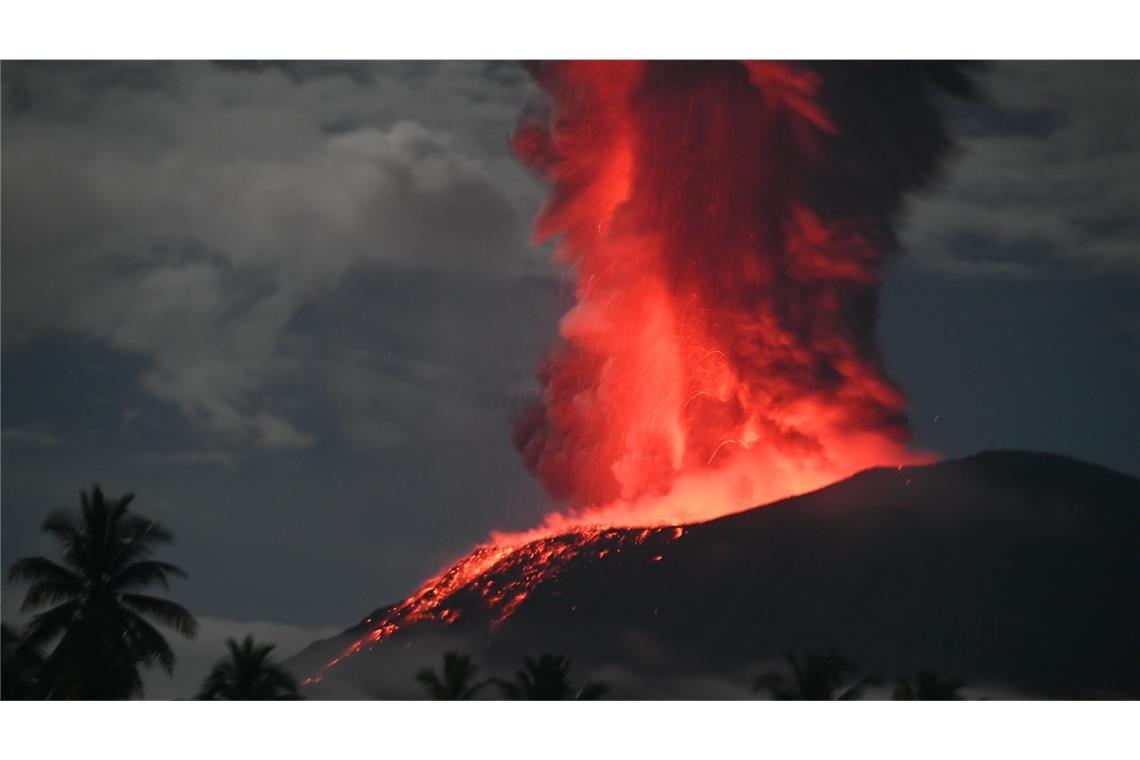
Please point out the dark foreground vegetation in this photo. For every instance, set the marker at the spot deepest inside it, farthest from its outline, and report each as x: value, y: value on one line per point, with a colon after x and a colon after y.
x: 96, y: 629
x: 101, y: 617
x: 544, y: 677
x: 814, y: 675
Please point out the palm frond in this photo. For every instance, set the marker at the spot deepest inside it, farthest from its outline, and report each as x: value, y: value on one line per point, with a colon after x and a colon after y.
x: 927, y: 685
x: 508, y: 689
x: 144, y: 573
x: 457, y: 679
x: 62, y: 525
x: 164, y: 611
x: 136, y: 539
x: 119, y: 508
x: 593, y: 690
x: 39, y: 569
x: 431, y: 682
x: 218, y: 681
x: 49, y: 592
x: 903, y: 690
x: 148, y: 644
x: 473, y: 690
x: 102, y: 633
x: 248, y: 671
x: 280, y: 684
x: 151, y: 531
x: 49, y: 624
x: 778, y: 685
x: 855, y: 691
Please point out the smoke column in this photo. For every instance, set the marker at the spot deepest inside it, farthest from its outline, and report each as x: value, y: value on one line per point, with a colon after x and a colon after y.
x: 727, y: 226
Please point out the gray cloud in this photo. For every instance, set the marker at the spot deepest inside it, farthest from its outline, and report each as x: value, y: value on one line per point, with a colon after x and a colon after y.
x: 323, y: 269
x: 188, y: 215
x: 1045, y: 183
x: 34, y: 435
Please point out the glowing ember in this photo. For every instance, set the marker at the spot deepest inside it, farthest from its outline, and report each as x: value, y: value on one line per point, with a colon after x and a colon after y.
x: 721, y: 353
x: 526, y: 565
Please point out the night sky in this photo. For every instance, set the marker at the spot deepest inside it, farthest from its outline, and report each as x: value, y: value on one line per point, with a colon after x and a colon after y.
x: 294, y: 308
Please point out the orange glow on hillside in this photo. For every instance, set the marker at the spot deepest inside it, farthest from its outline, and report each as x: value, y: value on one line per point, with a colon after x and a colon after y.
x: 720, y: 354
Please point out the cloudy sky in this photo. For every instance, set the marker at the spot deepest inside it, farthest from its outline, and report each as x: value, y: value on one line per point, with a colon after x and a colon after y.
x: 295, y: 307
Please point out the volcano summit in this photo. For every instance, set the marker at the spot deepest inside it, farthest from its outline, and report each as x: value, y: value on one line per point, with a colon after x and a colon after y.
x: 1015, y: 571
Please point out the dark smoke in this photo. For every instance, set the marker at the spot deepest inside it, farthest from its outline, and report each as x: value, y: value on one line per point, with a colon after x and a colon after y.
x: 728, y: 225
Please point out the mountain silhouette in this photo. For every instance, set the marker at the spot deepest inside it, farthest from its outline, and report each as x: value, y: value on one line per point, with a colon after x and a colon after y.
x: 1016, y: 571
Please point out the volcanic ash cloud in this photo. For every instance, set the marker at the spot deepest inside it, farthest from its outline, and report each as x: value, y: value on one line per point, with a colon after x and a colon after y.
x: 727, y: 225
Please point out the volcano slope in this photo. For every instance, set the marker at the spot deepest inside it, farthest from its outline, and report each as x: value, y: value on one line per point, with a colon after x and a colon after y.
x: 1015, y: 571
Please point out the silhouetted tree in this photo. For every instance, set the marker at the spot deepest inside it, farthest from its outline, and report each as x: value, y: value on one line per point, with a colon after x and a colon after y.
x: 818, y: 675
x: 548, y: 677
x: 457, y: 680
x: 248, y: 672
x: 21, y: 667
x: 101, y: 622
x: 927, y: 685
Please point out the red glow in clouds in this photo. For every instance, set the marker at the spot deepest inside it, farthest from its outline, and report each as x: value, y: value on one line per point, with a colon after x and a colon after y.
x: 721, y: 352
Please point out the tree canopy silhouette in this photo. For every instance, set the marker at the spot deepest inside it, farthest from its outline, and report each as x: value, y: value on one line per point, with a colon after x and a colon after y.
x: 817, y: 675
x: 100, y: 620
x: 457, y: 680
x: 248, y: 672
x: 548, y: 677
x: 929, y: 685
x: 21, y: 667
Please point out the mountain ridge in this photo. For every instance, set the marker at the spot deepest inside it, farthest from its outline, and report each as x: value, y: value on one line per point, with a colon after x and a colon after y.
x: 890, y: 565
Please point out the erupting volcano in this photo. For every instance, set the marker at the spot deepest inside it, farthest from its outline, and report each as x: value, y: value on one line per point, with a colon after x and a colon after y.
x: 726, y: 226
x: 721, y: 352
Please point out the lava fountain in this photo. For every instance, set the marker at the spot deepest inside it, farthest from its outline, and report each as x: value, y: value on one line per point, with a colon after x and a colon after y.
x: 721, y: 353
x: 726, y: 225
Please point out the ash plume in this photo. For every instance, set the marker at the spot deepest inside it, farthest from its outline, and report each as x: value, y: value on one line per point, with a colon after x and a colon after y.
x: 727, y: 225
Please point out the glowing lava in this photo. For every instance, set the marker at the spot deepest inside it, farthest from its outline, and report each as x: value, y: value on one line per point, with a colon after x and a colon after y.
x: 721, y: 353
x: 727, y: 246
x: 524, y: 565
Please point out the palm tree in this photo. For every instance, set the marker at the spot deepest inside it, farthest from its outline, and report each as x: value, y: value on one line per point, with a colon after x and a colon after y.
x: 457, y: 681
x: 101, y: 621
x: 21, y: 667
x: 818, y: 675
x: 548, y: 677
x: 248, y: 672
x: 928, y: 685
